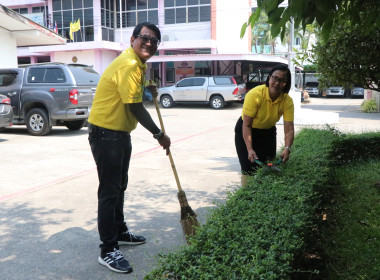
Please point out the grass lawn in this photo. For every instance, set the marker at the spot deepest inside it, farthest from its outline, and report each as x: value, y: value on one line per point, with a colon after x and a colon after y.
x: 351, y: 239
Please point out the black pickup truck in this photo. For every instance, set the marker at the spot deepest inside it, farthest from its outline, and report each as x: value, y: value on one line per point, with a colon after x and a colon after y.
x: 44, y: 95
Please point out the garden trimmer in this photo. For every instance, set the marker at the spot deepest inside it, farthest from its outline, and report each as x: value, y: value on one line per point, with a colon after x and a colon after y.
x: 270, y: 167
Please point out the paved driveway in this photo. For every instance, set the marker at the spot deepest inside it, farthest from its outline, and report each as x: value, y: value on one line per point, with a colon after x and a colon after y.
x: 48, y: 189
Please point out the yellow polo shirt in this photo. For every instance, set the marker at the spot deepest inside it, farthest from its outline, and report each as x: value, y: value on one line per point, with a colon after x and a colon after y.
x: 259, y: 105
x: 121, y: 83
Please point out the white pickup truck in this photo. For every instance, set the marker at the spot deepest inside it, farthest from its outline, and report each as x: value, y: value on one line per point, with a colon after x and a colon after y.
x: 217, y: 91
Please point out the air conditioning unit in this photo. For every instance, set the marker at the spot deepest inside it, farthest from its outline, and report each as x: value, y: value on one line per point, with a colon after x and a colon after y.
x: 168, y: 37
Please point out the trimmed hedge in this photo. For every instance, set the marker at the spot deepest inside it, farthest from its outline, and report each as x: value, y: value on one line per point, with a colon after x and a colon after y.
x: 263, y: 227
x: 356, y: 147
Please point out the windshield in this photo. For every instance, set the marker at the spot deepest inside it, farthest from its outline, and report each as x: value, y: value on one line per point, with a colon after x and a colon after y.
x: 312, y: 84
x: 84, y: 75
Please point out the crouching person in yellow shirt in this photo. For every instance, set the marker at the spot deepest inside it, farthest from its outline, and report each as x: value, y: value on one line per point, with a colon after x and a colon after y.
x: 255, y: 130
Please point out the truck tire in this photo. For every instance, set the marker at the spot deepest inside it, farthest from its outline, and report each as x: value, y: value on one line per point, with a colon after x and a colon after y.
x: 37, y: 122
x: 75, y: 125
x: 166, y: 101
x: 217, y: 102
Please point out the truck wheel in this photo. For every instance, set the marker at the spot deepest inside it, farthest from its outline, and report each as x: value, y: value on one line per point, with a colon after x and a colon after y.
x: 217, y: 102
x: 37, y: 122
x: 75, y: 125
x: 166, y: 101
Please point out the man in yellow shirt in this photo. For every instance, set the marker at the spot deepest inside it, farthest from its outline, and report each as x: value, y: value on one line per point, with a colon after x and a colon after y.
x: 115, y: 112
x: 255, y: 130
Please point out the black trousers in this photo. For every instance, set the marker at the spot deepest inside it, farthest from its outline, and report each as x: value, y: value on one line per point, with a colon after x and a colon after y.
x: 112, y: 152
x: 263, y: 142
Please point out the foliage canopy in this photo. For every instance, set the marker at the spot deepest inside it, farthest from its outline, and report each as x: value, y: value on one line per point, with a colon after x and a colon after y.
x: 348, y: 52
x: 327, y: 13
x: 349, y: 57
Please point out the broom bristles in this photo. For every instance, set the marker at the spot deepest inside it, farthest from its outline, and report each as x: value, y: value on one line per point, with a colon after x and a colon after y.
x: 189, y: 220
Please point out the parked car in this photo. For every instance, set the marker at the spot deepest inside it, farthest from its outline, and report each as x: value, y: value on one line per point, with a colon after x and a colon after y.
x: 217, y: 91
x: 6, y: 112
x: 335, y: 91
x: 312, y: 89
x: 43, y: 95
x: 357, y: 92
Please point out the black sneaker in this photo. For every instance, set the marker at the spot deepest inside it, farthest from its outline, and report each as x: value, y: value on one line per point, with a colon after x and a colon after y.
x: 115, y: 261
x: 128, y: 238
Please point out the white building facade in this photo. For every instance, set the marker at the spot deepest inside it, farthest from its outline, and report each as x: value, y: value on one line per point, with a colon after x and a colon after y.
x: 199, y: 37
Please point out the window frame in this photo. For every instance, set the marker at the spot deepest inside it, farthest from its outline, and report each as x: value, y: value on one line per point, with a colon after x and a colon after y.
x: 133, y: 14
x: 170, y: 6
x: 170, y: 75
x: 86, y: 33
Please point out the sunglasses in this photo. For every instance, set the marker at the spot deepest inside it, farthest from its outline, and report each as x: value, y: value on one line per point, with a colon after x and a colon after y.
x: 278, y: 80
x: 153, y: 41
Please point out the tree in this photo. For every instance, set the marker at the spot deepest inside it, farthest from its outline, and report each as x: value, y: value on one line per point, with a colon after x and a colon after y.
x: 327, y: 14
x: 261, y: 34
x: 349, y: 57
x: 304, y: 54
x: 268, y: 39
x: 348, y: 51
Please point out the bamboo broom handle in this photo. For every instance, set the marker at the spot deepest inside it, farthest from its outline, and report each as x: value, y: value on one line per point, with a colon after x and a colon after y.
x: 170, y: 154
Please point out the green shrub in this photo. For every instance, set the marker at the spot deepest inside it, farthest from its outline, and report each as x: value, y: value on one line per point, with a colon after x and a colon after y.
x: 263, y: 228
x: 351, y: 147
x: 260, y: 229
x: 369, y: 106
x: 351, y: 237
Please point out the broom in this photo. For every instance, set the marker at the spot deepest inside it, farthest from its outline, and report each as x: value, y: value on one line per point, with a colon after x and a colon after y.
x: 189, y: 220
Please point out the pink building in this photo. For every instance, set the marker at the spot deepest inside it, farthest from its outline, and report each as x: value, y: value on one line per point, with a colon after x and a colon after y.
x: 199, y: 37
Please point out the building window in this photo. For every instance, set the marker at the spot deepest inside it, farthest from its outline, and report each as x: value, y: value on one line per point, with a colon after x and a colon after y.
x: 23, y: 60
x: 21, y: 10
x: 187, y: 11
x: 170, y: 75
x: 35, y: 14
x: 202, y: 68
x: 39, y: 9
x: 108, y: 20
x: 298, y: 41
x: 67, y: 11
x: 137, y: 11
x: 43, y: 59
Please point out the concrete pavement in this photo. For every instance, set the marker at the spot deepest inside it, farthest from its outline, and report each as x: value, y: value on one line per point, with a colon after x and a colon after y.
x: 48, y: 189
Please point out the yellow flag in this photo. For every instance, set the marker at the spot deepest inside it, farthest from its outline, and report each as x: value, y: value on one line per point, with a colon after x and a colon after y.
x: 74, y: 27
x: 71, y: 31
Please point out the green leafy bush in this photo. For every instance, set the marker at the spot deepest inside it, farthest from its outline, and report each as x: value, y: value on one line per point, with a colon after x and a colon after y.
x: 356, y: 147
x: 263, y: 228
x: 258, y: 232
x: 351, y: 236
x: 369, y: 106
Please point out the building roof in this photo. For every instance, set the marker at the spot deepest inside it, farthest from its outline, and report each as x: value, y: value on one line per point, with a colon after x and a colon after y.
x: 26, y: 31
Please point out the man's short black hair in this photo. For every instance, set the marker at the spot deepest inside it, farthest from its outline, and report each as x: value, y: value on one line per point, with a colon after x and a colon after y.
x: 149, y: 25
x: 281, y: 67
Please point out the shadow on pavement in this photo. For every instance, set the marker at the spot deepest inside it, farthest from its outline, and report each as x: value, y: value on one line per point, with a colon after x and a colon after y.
x: 44, y: 243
